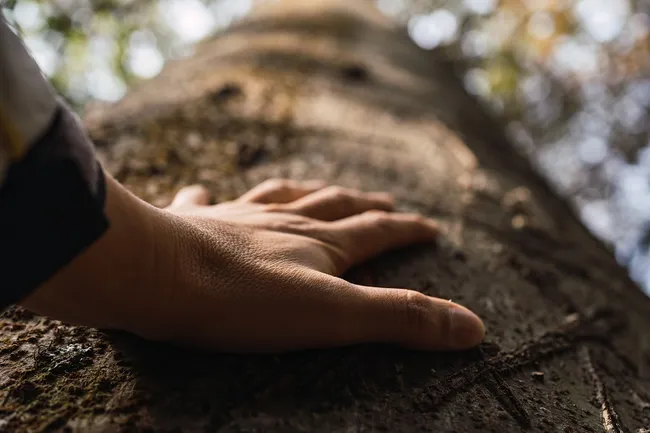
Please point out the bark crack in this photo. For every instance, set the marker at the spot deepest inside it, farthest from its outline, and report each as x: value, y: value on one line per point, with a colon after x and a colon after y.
x: 506, y: 398
x: 489, y: 373
x: 611, y: 420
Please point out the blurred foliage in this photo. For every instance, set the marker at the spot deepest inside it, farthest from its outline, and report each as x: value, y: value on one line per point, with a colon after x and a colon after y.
x: 571, y: 77
x: 96, y: 49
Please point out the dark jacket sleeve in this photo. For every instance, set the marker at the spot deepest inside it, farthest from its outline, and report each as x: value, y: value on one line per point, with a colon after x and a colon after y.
x: 52, y: 188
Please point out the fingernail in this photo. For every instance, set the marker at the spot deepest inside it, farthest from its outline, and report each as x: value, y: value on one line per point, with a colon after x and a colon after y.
x: 467, y: 329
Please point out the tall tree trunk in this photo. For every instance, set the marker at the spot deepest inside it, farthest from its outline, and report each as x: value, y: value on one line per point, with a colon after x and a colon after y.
x: 332, y: 90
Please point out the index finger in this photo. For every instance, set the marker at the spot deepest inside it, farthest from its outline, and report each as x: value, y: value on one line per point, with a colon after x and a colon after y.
x: 362, y: 237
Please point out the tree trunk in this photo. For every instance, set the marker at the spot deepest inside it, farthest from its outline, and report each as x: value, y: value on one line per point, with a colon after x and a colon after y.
x: 332, y: 90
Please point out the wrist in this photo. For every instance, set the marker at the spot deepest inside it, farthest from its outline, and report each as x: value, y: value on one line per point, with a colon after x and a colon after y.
x: 105, y: 286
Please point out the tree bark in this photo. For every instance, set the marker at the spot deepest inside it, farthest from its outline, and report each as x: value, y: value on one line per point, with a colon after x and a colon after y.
x: 330, y: 89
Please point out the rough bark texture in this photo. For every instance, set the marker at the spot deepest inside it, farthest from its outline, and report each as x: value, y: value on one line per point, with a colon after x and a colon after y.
x: 330, y: 90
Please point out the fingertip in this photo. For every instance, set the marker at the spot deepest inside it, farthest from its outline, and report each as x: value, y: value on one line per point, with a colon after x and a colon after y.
x: 417, y: 321
x: 466, y: 328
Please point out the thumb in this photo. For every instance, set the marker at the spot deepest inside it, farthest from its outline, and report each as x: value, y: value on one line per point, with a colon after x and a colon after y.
x: 414, y: 320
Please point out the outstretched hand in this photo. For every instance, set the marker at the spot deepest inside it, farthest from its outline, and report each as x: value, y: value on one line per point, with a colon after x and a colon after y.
x: 260, y: 273
x: 269, y: 264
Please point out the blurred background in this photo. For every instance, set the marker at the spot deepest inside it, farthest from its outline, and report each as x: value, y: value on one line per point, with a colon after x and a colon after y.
x: 571, y: 77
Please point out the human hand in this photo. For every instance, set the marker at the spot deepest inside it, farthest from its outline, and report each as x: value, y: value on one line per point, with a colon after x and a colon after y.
x: 260, y: 273
x: 257, y: 274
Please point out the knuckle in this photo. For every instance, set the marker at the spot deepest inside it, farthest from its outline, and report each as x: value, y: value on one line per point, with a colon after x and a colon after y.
x: 337, y: 192
x: 443, y: 321
x: 378, y: 217
x: 415, y: 310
